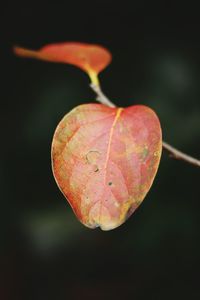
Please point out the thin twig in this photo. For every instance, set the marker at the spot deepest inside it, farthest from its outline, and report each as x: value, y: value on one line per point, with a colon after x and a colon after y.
x: 101, y: 97
x: 177, y: 154
x: 174, y: 153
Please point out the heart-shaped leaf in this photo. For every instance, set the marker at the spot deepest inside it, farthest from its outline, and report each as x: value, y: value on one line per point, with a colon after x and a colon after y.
x: 105, y: 159
x: 90, y: 58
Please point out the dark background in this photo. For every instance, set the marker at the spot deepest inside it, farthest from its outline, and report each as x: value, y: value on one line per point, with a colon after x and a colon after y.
x: 45, y: 252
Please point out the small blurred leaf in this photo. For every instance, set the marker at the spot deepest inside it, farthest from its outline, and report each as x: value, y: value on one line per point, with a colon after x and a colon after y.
x: 90, y: 58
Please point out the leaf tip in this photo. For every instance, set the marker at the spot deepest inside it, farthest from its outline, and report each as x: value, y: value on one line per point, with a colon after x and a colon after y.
x: 23, y: 52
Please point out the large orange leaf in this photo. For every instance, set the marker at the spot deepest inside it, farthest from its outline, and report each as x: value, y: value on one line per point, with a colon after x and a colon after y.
x: 105, y: 159
x: 90, y: 58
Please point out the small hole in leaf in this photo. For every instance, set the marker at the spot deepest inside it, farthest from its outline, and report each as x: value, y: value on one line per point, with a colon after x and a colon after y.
x: 96, y: 169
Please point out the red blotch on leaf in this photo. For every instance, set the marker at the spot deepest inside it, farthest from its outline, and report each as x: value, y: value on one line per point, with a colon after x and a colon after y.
x: 90, y: 58
x: 105, y: 159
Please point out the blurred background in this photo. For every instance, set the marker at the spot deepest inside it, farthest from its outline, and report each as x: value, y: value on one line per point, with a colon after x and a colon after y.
x: 45, y: 252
